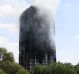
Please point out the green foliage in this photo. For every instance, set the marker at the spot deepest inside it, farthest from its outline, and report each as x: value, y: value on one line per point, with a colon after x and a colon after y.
x: 53, y: 68
x: 39, y: 70
x: 22, y: 72
x: 4, y: 55
x: 59, y: 68
x: 77, y: 68
x: 1, y: 71
x: 10, y: 67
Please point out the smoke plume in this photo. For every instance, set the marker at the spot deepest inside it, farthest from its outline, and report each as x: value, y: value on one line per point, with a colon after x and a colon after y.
x: 47, y: 9
x: 50, y: 5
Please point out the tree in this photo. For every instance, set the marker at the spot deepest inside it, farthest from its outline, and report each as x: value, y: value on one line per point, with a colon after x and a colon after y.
x: 12, y: 68
x: 76, y: 67
x: 59, y: 68
x: 54, y: 68
x: 8, y: 65
x: 1, y: 71
x: 4, y: 55
x: 39, y: 69
x: 22, y: 72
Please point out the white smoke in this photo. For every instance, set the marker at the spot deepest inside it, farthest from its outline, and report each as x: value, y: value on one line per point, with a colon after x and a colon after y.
x: 47, y: 9
x: 50, y: 5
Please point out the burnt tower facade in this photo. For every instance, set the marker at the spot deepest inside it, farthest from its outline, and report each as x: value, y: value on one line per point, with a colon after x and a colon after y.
x: 36, y: 39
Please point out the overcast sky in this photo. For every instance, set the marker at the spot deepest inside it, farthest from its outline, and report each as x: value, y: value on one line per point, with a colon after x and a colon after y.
x: 66, y: 22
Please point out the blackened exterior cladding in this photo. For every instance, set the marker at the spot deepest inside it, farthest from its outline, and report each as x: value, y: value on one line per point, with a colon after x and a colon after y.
x: 34, y: 41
